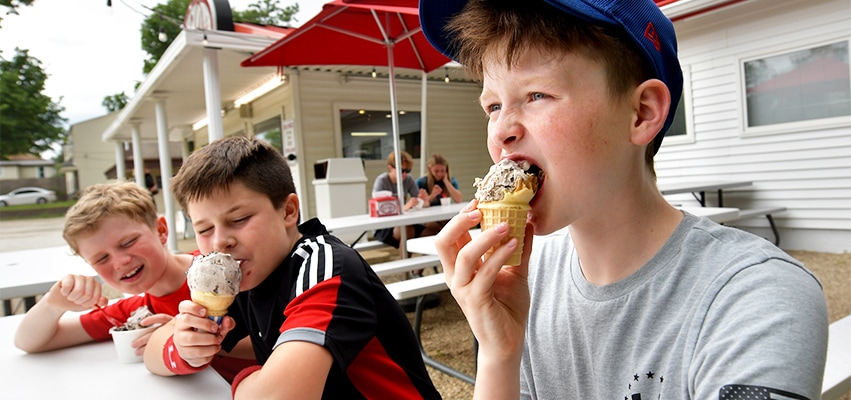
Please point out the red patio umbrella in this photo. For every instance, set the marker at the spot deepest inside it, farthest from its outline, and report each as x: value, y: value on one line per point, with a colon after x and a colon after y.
x: 359, y: 32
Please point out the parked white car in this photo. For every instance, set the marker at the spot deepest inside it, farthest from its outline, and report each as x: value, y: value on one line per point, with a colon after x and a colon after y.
x: 27, y: 195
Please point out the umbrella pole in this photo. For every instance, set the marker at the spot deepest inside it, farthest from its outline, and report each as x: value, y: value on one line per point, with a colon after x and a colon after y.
x: 403, y: 234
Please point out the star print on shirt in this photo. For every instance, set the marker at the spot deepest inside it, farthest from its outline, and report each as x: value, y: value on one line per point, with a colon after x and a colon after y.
x: 756, y: 393
x: 647, y: 388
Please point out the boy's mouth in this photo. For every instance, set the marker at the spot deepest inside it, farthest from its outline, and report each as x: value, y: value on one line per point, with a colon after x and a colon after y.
x: 132, y: 273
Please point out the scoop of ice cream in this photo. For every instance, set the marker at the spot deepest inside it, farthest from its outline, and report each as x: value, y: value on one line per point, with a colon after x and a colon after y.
x: 507, y: 181
x: 135, y: 320
x: 216, y: 273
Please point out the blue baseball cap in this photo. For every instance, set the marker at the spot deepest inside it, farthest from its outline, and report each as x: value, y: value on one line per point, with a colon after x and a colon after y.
x: 642, y: 20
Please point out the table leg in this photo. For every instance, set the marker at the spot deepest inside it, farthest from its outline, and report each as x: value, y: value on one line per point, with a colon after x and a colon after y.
x: 418, y: 319
x: 700, y: 197
x: 29, y: 302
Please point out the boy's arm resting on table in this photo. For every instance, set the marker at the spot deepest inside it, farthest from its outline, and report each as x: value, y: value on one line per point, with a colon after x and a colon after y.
x: 43, y: 327
x: 493, y: 297
x: 187, y: 344
x: 295, y: 370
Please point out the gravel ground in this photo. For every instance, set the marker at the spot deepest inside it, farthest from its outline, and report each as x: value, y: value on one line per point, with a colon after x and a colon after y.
x: 447, y: 337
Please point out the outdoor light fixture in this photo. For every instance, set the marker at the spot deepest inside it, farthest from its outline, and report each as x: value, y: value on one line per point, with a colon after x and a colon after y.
x: 162, y: 36
x: 205, y: 39
x: 369, y: 133
x: 446, y: 77
x: 373, y: 72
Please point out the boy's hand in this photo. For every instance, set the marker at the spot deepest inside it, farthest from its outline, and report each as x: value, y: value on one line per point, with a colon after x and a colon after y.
x: 140, y: 342
x: 494, y: 297
x: 76, y: 293
x: 197, y: 338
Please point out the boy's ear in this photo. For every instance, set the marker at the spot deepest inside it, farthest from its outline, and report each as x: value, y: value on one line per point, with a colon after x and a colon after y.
x: 291, y: 210
x: 162, y: 229
x: 651, y: 102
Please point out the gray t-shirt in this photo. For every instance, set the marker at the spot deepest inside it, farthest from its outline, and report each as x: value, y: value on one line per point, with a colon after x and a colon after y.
x: 715, y: 313
x: 383, y: 182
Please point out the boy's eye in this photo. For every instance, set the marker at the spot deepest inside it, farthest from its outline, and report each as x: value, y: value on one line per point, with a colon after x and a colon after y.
x: 537, y: 96
x: 492, y: 108
x: 129, y: 243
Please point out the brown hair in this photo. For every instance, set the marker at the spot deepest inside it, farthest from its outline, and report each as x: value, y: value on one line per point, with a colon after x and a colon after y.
x: 435, y: 159
x: 99, y: 201
x: 253, y: 163
x: 406, y: 162
x: 506, y: 30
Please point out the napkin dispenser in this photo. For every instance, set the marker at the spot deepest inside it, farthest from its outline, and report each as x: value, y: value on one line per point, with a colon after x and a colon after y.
x: 383, y: 206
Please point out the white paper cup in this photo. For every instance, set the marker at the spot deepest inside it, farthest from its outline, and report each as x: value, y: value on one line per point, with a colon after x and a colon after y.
x: 445, y: 201
x: 124, y: 343
x: 420, y: 203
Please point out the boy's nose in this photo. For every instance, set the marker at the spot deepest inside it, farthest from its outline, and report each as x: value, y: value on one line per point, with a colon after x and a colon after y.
x: 506, y: 130
x: 222, y: 242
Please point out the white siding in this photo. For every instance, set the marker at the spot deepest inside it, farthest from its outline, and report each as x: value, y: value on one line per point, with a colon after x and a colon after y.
x: 808, y: 171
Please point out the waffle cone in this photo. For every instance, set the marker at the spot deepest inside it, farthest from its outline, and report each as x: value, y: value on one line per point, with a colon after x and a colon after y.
x: 216, y: 304
x: 496, y: 212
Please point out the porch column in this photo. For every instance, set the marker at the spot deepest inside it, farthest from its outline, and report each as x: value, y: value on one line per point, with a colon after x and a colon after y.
x: 120, y: 169
x: 213, y: 94
x: 138, y: 161
x: 165, y: 172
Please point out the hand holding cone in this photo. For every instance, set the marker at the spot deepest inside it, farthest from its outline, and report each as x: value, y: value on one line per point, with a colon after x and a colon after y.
x: 504, y: 195
x: 213, y: 281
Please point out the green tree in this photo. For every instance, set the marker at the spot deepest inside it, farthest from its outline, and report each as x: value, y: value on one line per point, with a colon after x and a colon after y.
x: 166, y: 18
x: 29, y: 119
x: 115, y: 102
x: 267, y: 12
x: 12, y: 6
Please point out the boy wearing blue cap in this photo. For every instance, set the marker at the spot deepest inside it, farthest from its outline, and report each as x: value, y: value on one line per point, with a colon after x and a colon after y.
x: 622, y: 296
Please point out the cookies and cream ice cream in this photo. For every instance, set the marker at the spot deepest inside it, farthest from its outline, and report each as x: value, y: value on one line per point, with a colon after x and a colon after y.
x: 504, y: 195
x: 213, y: 281
x: 135, y: 320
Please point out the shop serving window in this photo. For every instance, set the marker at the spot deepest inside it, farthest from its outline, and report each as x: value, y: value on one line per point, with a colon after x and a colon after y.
x: 802, y: 89
x: 270, y: 131
x: 368, y: 134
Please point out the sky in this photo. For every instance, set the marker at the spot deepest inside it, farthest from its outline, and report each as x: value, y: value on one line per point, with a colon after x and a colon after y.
x: 91, y: 51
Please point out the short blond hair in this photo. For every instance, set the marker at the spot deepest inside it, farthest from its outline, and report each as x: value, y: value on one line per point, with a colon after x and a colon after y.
x: 99, y: 201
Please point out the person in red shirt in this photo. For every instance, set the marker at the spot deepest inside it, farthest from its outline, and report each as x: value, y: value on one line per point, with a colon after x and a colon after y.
x: 115, y: 228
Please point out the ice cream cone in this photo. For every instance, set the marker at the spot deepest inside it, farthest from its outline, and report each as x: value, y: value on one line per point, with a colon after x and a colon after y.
x: 496, y: 212
x: 216, y: 304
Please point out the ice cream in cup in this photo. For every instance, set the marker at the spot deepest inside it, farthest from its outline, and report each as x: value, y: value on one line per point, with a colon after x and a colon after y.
x: 445, y: 201
x: 124, y: 335
x: 213, y: 281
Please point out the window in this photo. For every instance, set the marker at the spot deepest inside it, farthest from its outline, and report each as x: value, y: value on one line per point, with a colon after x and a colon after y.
x: 368, y: 134
x: 798, y: 89
x: 270, y: 131
x: 681, y: 129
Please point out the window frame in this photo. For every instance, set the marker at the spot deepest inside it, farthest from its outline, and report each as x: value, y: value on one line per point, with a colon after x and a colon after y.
x: 688, y: 112
x: 785, y: 127
x: 338, y: 129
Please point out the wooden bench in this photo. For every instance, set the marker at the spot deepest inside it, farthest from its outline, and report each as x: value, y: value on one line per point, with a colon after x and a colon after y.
x: 418, y: 288
x: 766, y: 212
x: 837, y: 371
